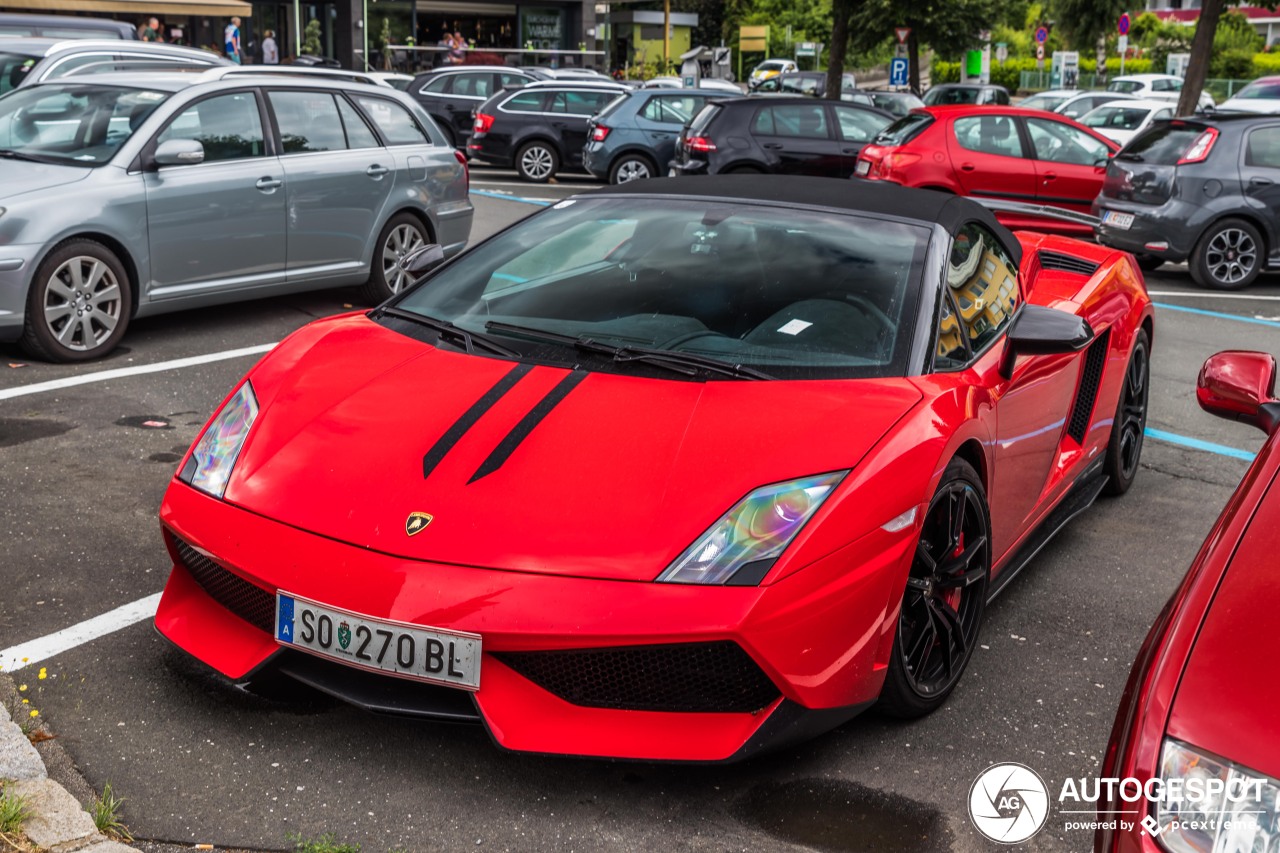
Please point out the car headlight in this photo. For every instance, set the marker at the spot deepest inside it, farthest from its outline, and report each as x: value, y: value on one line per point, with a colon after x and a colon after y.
x: 1211, y: 804
x: 753, y: 534
x: 216, y: 451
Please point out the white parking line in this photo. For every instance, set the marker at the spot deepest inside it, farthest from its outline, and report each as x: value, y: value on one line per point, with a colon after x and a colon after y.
x: 120, y: 372
x: 1183, y: 293
x: 41, y: 649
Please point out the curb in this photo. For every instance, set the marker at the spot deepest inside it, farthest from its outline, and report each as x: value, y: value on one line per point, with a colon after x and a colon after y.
x: 58, y: 823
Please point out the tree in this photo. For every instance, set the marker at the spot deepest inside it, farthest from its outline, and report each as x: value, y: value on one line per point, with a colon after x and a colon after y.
x: 841, y: 13
x: 948, y: 26
x: 311, y: 39
x: 1201, y: 53
x: 1085, y: 21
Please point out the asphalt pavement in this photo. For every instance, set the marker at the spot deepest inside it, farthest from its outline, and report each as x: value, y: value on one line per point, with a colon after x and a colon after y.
x: 84, y: 467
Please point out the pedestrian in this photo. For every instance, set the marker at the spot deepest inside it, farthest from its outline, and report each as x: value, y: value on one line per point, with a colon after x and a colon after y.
x: 151, y: 32
x: 457, y: 49
x: 270, y: 52
x: 231, y: 41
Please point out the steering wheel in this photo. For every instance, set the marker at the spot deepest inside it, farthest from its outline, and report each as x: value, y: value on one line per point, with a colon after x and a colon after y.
x: 866, y: 306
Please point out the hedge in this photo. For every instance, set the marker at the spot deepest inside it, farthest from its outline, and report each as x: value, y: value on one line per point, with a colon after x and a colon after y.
x: 1009, y: 75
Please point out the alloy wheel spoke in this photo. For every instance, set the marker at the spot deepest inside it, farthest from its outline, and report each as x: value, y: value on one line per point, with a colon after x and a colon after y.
x: 95, y: 274
x: 919, y: 654
x: 67, y: 336
x: 959, y: 504
x: 60, y: 288
x: 54, y: 313
x: 950, y: 621
x: 925, y: 558
x: 107, y: 321
x: 110, y: 293
x: 961, y: 563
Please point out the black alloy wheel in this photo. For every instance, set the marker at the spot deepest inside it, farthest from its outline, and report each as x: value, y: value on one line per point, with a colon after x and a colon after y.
x: 1124, y: 450
x: 945, y: 597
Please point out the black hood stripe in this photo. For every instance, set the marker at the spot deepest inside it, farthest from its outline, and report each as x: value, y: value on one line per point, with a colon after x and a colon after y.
x: 455, y: 433
x: 527, y: 424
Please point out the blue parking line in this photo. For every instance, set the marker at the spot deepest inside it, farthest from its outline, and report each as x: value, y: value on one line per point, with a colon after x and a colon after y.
x: 1197, y: 444
x: 538, y: 201
x: 1220, y: 315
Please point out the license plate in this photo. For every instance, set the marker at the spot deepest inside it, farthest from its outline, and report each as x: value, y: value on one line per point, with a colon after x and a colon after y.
x: 863, y: 167
x: 1116, y: 219
x: 434, y: 655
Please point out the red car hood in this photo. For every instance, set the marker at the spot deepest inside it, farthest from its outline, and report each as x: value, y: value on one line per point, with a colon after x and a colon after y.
x: 612, y: 481
x: 1228, y: 695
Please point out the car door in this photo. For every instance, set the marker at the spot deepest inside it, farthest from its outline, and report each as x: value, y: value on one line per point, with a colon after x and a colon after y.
x: 1260, y: 175
x: 797, y: 139
x: 1070, y: 163
x: 663, y: 116
x: 469, y: 90
x: 988, y: 158
x: 219, y: 224
x: 982, y: 296
x: 338, y: 178
x: 571, y: 110
x: 856, y: 128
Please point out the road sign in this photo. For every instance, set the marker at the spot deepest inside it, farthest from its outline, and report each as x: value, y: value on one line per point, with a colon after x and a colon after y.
x: 1002, y: 52
x: 1040, y: 52
x: 1042, y: 35
x: 806, y: 48
x: 902, y: 33
x: 898, y: 71
x: 1123, y: 26
x: 753, y: 39
x: 1122, y: 44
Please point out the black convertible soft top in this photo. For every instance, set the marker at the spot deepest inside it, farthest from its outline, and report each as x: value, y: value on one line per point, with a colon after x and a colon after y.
x: 877, y: 197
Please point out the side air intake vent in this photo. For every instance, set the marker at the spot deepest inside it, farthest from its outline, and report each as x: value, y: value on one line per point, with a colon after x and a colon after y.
x: 1066, y: 263
x: 249, y: 601
x: 1087, y: 393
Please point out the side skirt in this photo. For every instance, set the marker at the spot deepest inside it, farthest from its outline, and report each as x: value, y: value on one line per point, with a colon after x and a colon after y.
x: 1082, y: 495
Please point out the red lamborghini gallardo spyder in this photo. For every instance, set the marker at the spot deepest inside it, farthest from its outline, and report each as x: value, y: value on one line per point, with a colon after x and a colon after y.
x: 665, y: 471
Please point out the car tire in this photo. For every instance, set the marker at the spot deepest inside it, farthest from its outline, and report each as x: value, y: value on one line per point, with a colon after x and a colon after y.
x: 946, y: 592
x: 1149, y: 263
x: 1124, y: 450
x: 632, y: 167
x: 1229, y: 256
x: 537, y: 162
x: 403, y: 233
x: 79, y: 303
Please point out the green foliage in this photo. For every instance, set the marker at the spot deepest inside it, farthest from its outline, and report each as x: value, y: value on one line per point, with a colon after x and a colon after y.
x: 810, y: 20
x: 1232, y: 64
x: 1265, y: 64
x: 1010, y: 74
x: 13, y: 812
x: 949, y: 28
x: 1083, y: 21
x: 324, y: 844
x: 311, y: 39
x: 1235, y: 33
x: 105, y: 811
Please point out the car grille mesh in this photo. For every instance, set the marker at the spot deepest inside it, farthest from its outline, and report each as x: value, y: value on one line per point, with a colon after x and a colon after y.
x: 687, y: 677
x: 1090, y: 378
x: 1066, y: 263
x: 250, y: 602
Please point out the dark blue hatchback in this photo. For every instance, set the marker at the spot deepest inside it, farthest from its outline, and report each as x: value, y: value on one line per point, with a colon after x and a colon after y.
x: 635, y: 137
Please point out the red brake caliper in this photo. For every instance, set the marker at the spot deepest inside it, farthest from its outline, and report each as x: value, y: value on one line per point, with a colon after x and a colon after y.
x: 952, y: 596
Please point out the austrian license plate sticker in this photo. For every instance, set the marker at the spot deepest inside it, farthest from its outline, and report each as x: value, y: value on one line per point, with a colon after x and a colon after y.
x: 433, y: 655
x: 1116, y: 219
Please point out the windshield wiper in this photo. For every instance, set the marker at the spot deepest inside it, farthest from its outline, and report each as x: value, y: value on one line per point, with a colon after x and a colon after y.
x: 1135, y: 158
x: 680, y: 362
x: 470, y: 340
x: 11, y: 154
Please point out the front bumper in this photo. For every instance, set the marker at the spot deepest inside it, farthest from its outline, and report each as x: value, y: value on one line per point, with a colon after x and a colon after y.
x: 17, y: 266
x: 820, y: 636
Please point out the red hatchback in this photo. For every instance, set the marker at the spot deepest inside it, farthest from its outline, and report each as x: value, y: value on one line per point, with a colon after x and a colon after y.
x: 994, y: 152
x: 1195, y: 739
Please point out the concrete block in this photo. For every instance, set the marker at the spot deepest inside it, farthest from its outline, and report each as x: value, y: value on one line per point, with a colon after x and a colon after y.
x: 18, y: 758
x: 57, y: 819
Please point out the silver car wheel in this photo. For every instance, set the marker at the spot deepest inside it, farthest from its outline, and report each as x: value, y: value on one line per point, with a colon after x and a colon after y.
x: 82, y: 303
x: 537, y: 162
x: 633, y: 170
x: 1231, y: 256
x: 401, y: 240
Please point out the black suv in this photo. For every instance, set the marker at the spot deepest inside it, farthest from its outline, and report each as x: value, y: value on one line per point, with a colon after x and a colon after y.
x: 782, y: 135
x: 541, y: 128
x: 1205, y: 190
x: 450, y: 95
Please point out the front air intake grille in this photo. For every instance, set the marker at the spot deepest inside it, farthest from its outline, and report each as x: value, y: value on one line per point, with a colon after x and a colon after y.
x: 693, y: 677
x: 1066, y: 263
x: 250, y: 602
x: 1087, y: 393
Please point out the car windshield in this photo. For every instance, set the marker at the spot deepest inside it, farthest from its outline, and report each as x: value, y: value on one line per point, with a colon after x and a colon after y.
x: 1048, y: 103
x: 712, y: 286
x: 1259, y: 90
x: 1126, y: 86
x: 1116, y: 118
x: 951, y: 95
x: 904, y: 129
x: 80, y: 124
x: 772, y: 65
x: 13, y: 68
x: 1162, y: 145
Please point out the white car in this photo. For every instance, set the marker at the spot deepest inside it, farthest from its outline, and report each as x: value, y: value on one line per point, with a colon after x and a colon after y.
x: 770, y: 68
x: 1071, y: 103
x: 1260, y: 96
x: 1160, y: 87
x: 1124, y: 119
x: 713, y: 83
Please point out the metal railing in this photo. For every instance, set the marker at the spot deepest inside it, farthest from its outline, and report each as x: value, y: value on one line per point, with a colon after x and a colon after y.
x: 1038, y: 81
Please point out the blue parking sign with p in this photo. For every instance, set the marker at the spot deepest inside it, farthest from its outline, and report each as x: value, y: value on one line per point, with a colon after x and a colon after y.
x: 898, y: 71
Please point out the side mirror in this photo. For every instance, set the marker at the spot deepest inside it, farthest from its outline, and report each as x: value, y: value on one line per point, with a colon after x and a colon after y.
x: 1038, y: 330
x: 1240, y: 386
x: 178, y: 152
x: 422, y: 260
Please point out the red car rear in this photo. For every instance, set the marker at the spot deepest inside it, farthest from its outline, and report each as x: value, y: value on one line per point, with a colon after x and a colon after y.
x: 994, y: 152
x: 1195, y: 736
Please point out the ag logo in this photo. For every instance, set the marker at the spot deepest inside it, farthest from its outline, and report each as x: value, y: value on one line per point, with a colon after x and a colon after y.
x: 417, y: 522
x: 344, y: 635
x: 1008, y: 803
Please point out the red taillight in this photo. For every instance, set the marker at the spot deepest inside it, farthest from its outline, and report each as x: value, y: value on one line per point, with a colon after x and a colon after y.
x: 700, y: 144
x: 483, y: 122
x: 599, y: 133
x: 466, y: 170
x: 1200, y: 149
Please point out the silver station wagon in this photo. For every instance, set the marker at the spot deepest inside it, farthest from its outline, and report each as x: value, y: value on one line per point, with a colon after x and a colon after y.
x: 130, y: 194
